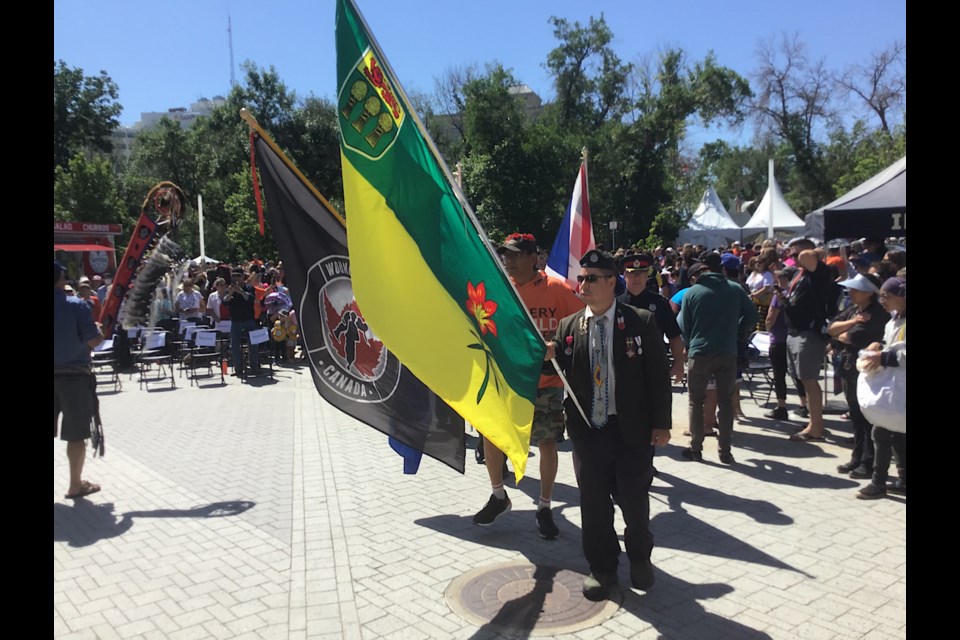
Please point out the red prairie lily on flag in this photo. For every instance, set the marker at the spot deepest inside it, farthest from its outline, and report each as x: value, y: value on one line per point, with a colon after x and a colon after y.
x: 481, y: 308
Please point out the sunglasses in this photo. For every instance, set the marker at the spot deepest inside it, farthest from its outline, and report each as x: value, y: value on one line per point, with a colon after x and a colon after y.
x: 591, y: 278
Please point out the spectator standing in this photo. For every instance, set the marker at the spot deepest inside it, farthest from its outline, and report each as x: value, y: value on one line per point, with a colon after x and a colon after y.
x: 776, y: 323
x: 75, y: 334
x: 889, y: 428
x: 716, y: 314
x: 807, y: 307
x: 239, y: 300
x: 858, y: 326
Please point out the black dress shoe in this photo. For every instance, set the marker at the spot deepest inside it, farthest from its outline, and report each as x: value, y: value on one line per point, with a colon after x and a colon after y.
x: 861, y: 472
x: 898, y: 486
x: 847, y: 468
x: 596, y: 587
x: 690, y: 454
x: 641, y: 575
x: 780, y: 413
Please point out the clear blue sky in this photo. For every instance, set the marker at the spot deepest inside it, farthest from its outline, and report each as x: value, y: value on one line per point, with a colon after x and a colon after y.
x: 169, y: 53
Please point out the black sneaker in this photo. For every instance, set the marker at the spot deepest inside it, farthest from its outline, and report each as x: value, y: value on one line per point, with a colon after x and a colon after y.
x: 861, y: 473
x: 898, y: 486
x: 478, y: 454
x: 802, y: 412
x: 494, y: 508
x: 596, y: 587
x: 871, y: 492
x: 847, y: 468
x: 545, y: 526
x: 780, y: 413
x: 641, y: 575
x: 726, y: 458
x: 690, y: 454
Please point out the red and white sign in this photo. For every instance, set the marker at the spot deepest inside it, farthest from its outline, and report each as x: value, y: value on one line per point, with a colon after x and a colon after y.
x: 87, y: 227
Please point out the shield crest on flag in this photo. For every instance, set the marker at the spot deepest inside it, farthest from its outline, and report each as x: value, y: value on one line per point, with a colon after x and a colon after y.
x: 368, y: 109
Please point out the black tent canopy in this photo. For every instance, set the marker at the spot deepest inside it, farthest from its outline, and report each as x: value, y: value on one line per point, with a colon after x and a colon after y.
x: 876, y: 208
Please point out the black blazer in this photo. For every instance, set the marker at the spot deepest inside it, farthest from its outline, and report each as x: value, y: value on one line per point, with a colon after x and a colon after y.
x: 642, y: 383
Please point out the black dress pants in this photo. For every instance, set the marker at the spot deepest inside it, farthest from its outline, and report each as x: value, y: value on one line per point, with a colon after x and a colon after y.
x: 862, y: 454
x: 609, y: 466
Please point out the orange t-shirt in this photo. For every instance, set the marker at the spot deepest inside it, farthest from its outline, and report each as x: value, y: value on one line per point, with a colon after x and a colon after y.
x: 549, y: 300
x: 835, y: 261
x: 260, y: 292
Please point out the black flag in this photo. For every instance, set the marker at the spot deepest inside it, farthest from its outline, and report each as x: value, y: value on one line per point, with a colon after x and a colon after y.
x: 351, y: 368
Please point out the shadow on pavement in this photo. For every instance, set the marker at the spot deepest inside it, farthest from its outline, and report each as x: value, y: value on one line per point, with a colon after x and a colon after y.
x: 682, y: 492
x: 768, y: 470
x: 777, y: 443
x: 86, y: 522
x: 517, y: 618
x: 673, y: 608
x: 670, y: 605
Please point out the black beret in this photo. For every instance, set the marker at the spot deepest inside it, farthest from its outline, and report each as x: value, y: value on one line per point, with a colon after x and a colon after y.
x: 595, y: 259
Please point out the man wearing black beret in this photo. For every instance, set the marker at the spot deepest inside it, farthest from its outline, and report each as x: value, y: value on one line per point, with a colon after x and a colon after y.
x: 614, y: 358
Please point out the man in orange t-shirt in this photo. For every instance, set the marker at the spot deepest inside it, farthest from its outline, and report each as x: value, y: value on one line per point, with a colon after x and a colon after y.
x: 549, y: 300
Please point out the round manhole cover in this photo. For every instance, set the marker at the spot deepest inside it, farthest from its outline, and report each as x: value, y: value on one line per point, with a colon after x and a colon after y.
x: 517, y: 596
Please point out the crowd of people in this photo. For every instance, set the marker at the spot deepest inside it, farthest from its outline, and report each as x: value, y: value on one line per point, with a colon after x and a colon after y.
x: 638, y: 318
x: 635, y: 320
x: 812, y: 301
x: 250, y: 295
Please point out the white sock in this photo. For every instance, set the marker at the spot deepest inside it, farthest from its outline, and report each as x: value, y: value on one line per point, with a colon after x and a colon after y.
x: 543, y: 504
x: 499, y: 492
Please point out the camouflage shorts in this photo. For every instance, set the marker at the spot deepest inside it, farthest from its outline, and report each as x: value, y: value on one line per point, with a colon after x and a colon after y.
x: 547, y: 415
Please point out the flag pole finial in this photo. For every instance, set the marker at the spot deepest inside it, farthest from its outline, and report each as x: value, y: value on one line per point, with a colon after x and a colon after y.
x: 583, y: 153
x: 247, y: 116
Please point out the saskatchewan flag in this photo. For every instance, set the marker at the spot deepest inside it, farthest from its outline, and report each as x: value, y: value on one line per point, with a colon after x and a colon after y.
x: 350, y: 366
x: 424, y: 274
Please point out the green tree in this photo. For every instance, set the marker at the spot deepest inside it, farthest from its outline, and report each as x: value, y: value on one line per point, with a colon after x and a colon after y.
x: 86, y: 190
x: 515, y: 172
x: 243, y: 230
x: 656, y: 176
x: 85, y: 112
x: 166, y: 153
x: 860, y: 153
x: 589, y: 78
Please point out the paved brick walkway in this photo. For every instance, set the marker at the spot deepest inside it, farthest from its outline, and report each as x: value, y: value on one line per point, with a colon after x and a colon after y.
x: 259, y: 511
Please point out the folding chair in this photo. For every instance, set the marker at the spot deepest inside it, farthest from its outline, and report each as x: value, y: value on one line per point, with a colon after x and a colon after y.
x: 156, y: 354
x: 106, y: 367
x: 204, y: 353
x: 760, y: 364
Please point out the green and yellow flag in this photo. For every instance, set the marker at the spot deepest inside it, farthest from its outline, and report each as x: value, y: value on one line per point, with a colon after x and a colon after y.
x: 423, y: 271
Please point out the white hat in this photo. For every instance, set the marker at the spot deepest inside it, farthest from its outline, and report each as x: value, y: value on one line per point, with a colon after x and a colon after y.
x: 860, y: 282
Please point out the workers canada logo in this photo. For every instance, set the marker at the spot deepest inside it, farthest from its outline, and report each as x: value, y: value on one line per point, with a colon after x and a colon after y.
x: 344, y: 352
x: 369, y: 109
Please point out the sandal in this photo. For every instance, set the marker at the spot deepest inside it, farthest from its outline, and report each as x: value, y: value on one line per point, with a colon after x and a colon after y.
x: 806, y: 437
x: 86, y: 488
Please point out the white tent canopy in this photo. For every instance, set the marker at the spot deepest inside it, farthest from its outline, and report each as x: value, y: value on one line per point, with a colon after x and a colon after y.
x: 203, y: 259
x: 785, y: 220
x: 710, y: 225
